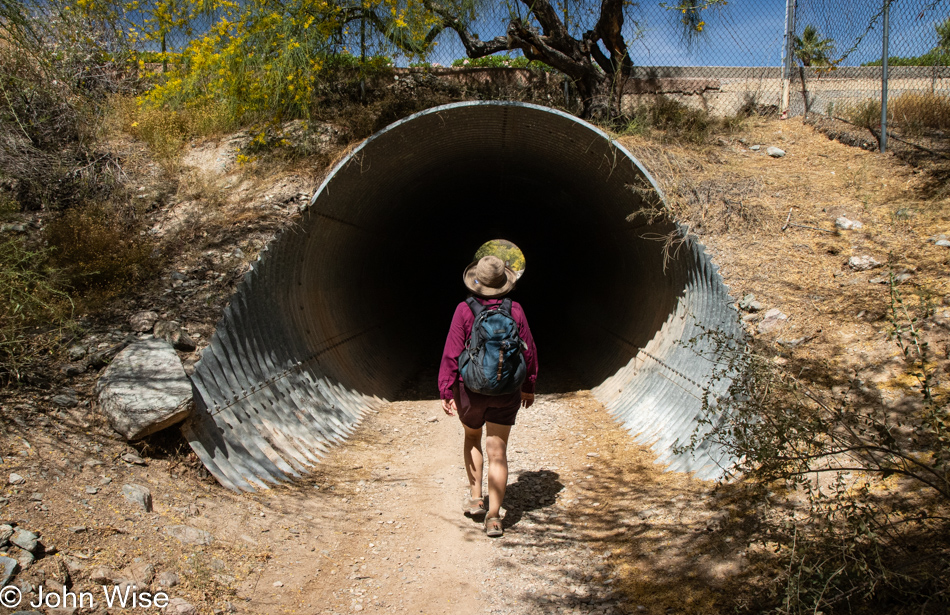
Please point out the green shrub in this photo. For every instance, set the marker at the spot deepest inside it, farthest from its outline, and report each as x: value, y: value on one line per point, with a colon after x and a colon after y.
x: 866, y: 114
x: 500, y: 61
x: 55, y: 71
x: 860, y: 488
x: 931, y: 58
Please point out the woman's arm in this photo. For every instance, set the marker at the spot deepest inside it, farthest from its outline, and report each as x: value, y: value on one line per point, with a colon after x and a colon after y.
x: 454, y: 345
x: 530, y: 352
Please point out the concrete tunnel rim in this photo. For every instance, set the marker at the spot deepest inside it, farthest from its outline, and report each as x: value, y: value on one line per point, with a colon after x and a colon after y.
x: 324, y: 185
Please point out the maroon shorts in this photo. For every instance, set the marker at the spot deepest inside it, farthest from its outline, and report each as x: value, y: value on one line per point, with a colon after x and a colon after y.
x: 476, y: 409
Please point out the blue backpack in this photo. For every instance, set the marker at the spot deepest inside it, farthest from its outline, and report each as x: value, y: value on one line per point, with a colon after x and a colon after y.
x: 493, y: 361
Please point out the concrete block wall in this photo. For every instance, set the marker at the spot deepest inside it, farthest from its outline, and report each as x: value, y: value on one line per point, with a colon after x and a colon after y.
x: 722, y: 90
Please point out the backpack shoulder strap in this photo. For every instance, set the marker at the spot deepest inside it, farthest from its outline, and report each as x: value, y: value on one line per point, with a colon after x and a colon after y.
x: 506, y: 306
x: 475, y: 306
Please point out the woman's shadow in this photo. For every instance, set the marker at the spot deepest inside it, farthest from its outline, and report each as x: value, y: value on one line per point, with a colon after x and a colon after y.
x: 532, y: 491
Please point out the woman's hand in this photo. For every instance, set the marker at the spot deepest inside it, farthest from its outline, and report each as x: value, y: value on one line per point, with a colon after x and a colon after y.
x: 527, y: 399
x: 449, y: 406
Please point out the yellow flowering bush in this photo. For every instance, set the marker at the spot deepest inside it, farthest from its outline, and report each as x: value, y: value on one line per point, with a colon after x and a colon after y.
x: 262, y: 60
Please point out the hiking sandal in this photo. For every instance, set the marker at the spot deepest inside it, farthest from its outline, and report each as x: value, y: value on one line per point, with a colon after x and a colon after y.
x: 474, y: 506
x: 493, y: 527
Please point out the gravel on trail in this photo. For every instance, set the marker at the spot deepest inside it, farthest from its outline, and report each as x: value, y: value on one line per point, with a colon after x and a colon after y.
x: 386, y: 533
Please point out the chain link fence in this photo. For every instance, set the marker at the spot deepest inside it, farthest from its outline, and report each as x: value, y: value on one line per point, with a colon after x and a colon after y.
x: 789, y: 57
x: 841, y: 70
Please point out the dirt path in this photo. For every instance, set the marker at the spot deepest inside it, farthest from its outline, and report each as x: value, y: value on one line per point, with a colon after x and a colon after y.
x: 379, y: 528
x: 592, y: 524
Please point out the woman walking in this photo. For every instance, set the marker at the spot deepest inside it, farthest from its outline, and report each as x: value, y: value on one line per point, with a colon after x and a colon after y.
x: 489, y: 281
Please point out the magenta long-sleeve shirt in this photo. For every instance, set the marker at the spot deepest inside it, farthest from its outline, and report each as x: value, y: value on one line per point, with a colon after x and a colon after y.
x: 459, y: 331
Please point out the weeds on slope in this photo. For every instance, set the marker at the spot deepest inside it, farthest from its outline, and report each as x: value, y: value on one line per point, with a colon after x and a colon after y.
x: 61, y: 193
x: 666, y: 119
x: 860, y: 488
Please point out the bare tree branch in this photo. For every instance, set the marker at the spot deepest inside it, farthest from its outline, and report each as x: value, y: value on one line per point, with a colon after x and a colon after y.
x: 609, y: 30
x: 473, y: 47
x: 548, y: 18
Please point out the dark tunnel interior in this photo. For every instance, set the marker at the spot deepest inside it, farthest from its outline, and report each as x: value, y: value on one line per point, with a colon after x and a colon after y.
x: 354, y: 300
x: 583, y: 278
x: 594, y: 289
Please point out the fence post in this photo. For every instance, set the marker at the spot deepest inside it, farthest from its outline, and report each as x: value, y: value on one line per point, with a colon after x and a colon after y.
x: 363, y: 56
x: 788, y: 59
x: 164, y: 57
x: 887, y: 35
x: 565, y: 85
x: 362, y: 41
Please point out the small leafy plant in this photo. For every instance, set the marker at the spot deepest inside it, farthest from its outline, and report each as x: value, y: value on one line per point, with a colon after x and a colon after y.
x: 865, y: 484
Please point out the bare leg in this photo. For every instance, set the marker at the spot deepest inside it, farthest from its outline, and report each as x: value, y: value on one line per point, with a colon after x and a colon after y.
x: 497, y: 445
x: 472, y: 452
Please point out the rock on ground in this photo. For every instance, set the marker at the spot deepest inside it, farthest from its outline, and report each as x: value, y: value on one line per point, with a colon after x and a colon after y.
x: 847, y: 225
x: 10, y: 567
x: 177, y: 606
x: 140, y: 573
x: 144, y: 389
x: 863, y: 263
x: 24, y: 558
x: 68, y: 399
x: 5, y: 532
x: 103, y: 575
x: 138, y: 495
x: 25, y: 540
x: 189, y: 535
x: 771, y: 320
x: 775, y: 152
x: 143, y: 321
x: 171, y: 331
x: 749, y: 304
x: 167, y: 579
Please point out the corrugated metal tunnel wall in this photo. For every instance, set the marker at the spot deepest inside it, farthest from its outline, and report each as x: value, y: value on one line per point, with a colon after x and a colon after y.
x: 341, y: 309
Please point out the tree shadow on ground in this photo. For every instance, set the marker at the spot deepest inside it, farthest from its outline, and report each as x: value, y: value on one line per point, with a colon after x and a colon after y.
x: 625, y: 539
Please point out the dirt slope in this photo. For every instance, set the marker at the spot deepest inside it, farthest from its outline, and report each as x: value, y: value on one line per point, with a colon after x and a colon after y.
x: 592, y: 524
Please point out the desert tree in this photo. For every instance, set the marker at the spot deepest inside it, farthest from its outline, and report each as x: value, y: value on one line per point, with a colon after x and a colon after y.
x: 267, y: 54
x: 597, y: 62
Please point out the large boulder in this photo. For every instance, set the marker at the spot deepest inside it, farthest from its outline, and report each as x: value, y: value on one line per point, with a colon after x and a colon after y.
x: 144, y: 389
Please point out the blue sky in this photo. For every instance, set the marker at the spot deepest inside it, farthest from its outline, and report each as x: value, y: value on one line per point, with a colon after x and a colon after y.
x: 747, y: 32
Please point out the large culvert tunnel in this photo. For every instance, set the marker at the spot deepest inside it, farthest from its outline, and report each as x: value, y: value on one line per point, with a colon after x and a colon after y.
x: 341, y: 309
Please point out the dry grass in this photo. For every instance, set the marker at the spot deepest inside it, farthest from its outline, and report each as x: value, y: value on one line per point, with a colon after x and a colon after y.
x: 668, y: 120
x: 166, y: 131
x: 737, y: 202
x: 201, y: 185
x: 918, y: 112
x: 913, y: 113
x: 100, y: 250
